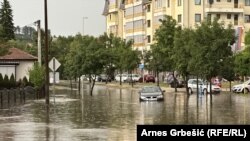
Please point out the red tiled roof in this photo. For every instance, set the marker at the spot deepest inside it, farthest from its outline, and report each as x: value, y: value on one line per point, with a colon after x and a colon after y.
x: 17, y: 54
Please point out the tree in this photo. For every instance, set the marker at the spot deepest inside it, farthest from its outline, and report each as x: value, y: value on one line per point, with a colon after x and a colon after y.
x: 36, y: 75
x: 1, y: 81
x: 91, y: 61
x: 12, y: 81
x: 6, y: 20
x: 183, y: 43
x: 160, y: 58
x: 6, y: 81
x: 212, y: 46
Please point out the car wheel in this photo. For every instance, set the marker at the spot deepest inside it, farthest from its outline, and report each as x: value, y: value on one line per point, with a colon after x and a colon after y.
x: 246, y: 90
x: 190, y: 91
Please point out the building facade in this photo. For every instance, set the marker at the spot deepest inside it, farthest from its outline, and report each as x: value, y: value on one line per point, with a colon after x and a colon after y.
x: 139, y: 19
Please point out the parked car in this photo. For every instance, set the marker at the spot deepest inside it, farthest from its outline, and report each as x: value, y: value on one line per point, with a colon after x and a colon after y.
x: 180, y: 83
x: 204, y: 85
x: 148, y: 93
x: 104, y: 78
x: 148, y: 78
x: 241, y: 87
x: 134, y: 77
x: 217, y: 82
x: 122, y: 77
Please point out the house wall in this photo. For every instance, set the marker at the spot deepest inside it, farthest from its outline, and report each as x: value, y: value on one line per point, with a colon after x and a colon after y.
x: 23, y: 69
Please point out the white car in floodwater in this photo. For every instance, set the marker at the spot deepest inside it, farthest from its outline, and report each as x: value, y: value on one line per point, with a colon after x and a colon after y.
x: 241, y: 87
x: 205, y: 86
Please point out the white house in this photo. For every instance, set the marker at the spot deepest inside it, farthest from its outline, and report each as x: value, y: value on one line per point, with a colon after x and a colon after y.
x: 16, y: 62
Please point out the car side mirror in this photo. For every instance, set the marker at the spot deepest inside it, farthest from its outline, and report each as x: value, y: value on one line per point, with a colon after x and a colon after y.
x: 163, y: 91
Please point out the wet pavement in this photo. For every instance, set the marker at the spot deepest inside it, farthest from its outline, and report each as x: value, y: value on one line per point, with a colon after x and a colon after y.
x: 112, y: 114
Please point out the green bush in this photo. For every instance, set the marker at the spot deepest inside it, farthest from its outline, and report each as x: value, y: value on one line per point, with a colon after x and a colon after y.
x: 24, y: 82
x: 12, y: 81
x: 36, y: 75
x: 1, y: 81
x: 6, y: 81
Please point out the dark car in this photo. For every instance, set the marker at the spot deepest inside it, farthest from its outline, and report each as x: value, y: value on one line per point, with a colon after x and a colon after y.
x: 148, y: 93
x: 148, y: 78
x: 104, y: 78
x: 179, y: 83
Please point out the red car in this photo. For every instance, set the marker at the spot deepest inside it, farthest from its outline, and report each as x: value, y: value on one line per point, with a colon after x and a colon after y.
x: 217, y: 82
x: 148, y: 78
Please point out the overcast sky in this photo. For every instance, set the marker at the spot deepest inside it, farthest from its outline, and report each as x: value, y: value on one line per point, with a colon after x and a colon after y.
x: 65, y: 17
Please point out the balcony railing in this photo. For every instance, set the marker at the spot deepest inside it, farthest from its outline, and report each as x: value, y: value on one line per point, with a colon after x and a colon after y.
x: 224, y: 10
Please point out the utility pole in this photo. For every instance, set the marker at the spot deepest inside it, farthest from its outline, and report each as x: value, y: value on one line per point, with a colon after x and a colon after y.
x: 46, y: 57
x: 38, y: 23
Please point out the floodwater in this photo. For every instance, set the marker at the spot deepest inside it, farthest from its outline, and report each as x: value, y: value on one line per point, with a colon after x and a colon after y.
x: 112, y: 114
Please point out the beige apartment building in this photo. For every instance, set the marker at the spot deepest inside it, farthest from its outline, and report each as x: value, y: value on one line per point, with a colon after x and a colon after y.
x: 139, y: 19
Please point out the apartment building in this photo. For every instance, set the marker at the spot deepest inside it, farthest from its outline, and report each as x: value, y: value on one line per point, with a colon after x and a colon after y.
x: 139, y: 19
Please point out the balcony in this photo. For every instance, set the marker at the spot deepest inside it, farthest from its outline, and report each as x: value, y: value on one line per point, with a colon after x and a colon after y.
x: 141, y: 14
x: 113, y: 8
x: 224, y: 10
x: 160, y: 10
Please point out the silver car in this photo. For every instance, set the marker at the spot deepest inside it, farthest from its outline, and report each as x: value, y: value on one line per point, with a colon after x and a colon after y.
x: 148, y: 93
x: 205, y: 86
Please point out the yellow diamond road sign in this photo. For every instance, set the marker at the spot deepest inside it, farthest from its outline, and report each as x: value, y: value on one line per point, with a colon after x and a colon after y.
x: 54, y: 64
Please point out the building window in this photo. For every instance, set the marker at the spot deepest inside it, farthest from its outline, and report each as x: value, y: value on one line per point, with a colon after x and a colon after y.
x: 228, y: 0
x: 168, y: 3
x: 149, y: 38
x: 209, y: 17
x: 148, y: 23
x: 218, y: 16
x: 218, y: 0
x: 179, y: 18
x: 160, y: 3
x: 228, y: 16
x: 179, y: 2
x: 247, y: 18
x: 247, y: 2
x: 148, y: 8
x: 197, y: 18
x: 197, y: 2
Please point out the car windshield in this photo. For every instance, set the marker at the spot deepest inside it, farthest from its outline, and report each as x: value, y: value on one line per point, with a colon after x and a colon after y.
x: 150, y: 89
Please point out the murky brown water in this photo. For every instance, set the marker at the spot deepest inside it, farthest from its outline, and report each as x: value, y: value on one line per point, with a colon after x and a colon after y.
x: 112, y: 115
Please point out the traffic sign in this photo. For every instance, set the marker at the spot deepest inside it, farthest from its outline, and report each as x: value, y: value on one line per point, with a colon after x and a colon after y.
x: 54, y: 64
x: 141, y: 66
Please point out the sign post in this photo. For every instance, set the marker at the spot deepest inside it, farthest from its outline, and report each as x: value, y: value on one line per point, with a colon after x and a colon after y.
x: 54, y: 64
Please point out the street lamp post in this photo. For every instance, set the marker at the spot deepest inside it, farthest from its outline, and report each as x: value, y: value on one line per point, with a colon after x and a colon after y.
x: 83, y: 25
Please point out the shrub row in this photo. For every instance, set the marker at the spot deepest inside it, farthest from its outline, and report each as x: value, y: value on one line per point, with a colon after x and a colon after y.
x: 6, y: 82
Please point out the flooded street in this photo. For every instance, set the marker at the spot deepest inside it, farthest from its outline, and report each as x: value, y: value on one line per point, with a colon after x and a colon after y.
x: 112, y: 114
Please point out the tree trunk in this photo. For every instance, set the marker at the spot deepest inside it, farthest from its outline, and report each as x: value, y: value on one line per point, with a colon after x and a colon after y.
x: 197, y: 87
x: 175, y: 83
x: 230, y: 86
x: 186, y: 84
x: 79, y: 84
x: 71, y: 86
x: 92, y: 87
x: 157, y: 76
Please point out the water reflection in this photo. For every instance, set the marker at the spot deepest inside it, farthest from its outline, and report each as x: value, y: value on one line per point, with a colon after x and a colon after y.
x: 112, y: 114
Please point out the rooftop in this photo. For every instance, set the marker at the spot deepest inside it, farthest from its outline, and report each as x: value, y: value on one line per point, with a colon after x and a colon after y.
x: 17, y: 54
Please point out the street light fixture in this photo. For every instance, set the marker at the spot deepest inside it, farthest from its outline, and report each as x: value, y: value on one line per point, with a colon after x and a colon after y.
x: 83, y: 25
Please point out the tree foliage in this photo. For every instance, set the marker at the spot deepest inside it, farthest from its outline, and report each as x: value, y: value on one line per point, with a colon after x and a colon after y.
x: 6, y: 20
x: 36, y: 75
